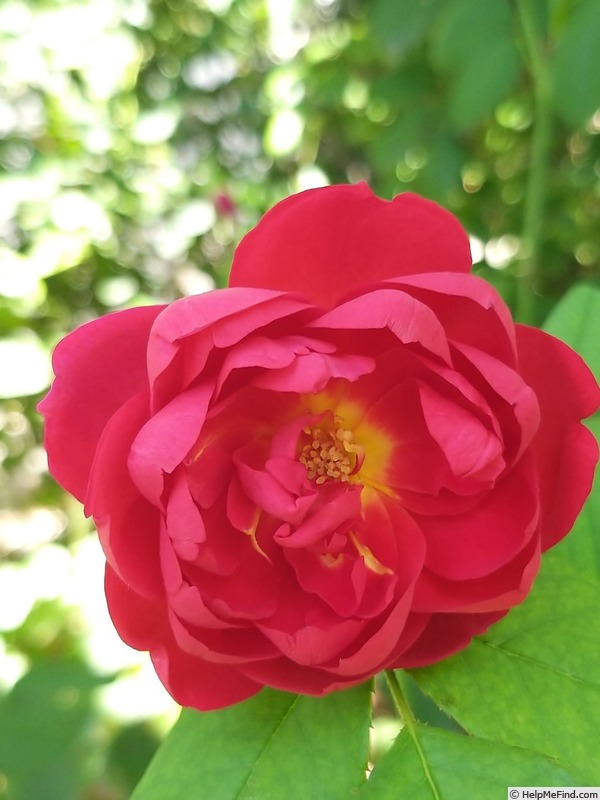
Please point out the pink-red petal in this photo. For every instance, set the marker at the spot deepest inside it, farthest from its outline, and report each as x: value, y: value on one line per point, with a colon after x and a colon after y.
x: 128, y: 526
x: 469, y: 309
x: 324, y: 242
x: 141, y: 623
x: 166, y: 439
x: 565, y: 451
x: 411, y: 321
x: 199, y: 684
x: 445, y: 635
x: 192, y: 328
x: 480, y: 541
x: 98, y: 367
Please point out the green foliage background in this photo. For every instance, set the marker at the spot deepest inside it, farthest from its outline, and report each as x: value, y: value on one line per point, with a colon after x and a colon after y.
x: 139, y: 140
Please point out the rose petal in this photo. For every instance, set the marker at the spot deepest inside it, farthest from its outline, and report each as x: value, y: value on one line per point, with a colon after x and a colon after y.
x: 445, y: 635
x: 269, y: 494
x: 183, y: 518
x: 323, y: 242
x: 332, y: 580
x: 251, y: 592
x: 187, y: 602
x: 166, y: 439
x: 411, y: 321
x: 342, y: 507
x: 98, y: 367
x: 479, y: 541
x: 270, y: 354
x: 374, y: 649
x: 506, y: 587
x: 469, y: 309
x: 140, y: 622
x: 514, y: 403
x: 128, y: 526
x: 197, y: 683
x: 471, y: 448
x: 312, y: 645
x: 192, y: 328
x: 233, y: 646
x: 287, y: 676
x: 313, y: 371
x: 565, y: 451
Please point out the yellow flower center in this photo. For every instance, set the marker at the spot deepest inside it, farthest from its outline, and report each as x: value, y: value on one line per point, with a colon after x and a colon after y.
x: 329, y: 453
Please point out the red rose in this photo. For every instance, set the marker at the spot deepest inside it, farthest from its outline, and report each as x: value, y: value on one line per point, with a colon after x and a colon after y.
x: 350, y: 460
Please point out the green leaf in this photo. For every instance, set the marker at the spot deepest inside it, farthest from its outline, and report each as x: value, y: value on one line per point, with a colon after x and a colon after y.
x: 399, y: 25
x: 532, y: 681
x: 483, y: 82
x: 466, y: 26
x: 442, y: 171
x: 45, y: 747
x: 391, y: 146
x: 473, y: 48
x: 438, y: 765
x: 576, y: 320
x: 577, y: 66
x: 272, y: 746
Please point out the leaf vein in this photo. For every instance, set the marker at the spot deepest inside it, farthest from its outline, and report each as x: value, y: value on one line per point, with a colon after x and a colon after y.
x: 541, y: 664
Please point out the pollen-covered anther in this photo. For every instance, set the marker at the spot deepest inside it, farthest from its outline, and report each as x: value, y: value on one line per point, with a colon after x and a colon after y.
x: 330, y: 453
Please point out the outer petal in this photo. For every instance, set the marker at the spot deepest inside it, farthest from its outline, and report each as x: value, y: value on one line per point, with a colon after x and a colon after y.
x: 128, y: 526
x: 324, y: 242
x: 480, y: 541
x: 141, y: 623
x: 98, y: 367
x: 191, y: 681
x: 565, y: 451
x: 284, y: 674
x: 199, y: 684
x: 444, y: 635
x: 469, y: 310
x: 503, y: 589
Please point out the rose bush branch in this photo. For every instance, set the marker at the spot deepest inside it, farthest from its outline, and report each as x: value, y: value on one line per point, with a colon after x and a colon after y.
x: 537, y: 182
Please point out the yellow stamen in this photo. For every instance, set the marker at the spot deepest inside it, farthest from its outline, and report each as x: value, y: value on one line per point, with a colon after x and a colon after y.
x: 330, y: 453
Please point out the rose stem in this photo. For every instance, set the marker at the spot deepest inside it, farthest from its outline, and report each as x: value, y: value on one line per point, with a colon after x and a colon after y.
x: 410, y: 723
x: 541, y: 143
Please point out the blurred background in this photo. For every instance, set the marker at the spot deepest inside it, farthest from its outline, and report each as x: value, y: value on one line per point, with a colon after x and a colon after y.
x: 139, y: 140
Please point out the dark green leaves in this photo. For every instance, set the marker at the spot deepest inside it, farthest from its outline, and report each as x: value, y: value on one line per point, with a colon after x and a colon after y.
x: 473, y: 46
x: 533, y: 681
x: 45, y: 733
x: 446, y: 766
x: 577, y: 65
x: 272, y: 746
x: 576, y: 320
x: 402, y: 24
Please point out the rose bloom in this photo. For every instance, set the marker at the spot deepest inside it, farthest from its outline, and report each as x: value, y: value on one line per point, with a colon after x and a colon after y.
x: 349, y: 460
